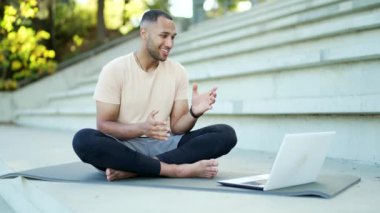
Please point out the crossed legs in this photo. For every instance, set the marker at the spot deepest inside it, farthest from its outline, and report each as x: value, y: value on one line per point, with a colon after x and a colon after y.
x: 194, y: 156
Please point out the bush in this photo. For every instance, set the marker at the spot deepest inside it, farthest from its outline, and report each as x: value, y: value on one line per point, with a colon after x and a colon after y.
x: 23, y: 55
x: 73, y: 27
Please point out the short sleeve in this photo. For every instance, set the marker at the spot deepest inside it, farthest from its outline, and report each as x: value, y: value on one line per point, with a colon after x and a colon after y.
x: 182, y: 84
x: 108, y: 87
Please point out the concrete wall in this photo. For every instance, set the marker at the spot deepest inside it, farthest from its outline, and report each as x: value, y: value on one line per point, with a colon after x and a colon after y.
x: 6, y: 107
x: 357, y: 136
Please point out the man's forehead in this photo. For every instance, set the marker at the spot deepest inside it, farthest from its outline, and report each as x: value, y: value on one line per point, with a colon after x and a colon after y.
x: 164, y: 25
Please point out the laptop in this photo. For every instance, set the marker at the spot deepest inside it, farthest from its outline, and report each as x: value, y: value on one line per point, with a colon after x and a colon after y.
x: 298, y: 161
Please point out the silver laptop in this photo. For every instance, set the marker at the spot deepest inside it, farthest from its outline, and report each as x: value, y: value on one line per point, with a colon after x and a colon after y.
x: 298, y: 161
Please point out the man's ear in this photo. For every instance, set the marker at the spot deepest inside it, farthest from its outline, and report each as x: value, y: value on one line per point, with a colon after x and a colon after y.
x: 143, y: 33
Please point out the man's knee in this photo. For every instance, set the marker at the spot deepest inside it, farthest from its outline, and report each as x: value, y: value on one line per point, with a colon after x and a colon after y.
x: 228, y: 134
x: 82, y: 140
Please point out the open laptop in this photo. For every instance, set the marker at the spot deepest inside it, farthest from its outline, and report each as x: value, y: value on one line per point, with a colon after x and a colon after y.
x: 298, y: 161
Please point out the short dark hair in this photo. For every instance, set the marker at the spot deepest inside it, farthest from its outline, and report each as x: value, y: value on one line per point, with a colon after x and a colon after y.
x: 152, y: 16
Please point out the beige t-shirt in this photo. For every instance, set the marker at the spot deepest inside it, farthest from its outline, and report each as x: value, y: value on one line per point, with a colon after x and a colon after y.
x: 123, y: 82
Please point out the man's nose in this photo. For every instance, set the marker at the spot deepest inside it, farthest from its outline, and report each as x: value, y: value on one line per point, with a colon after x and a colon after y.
x: 169, y: 42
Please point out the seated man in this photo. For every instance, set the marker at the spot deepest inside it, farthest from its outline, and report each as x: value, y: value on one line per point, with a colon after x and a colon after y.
x: 143, y: 118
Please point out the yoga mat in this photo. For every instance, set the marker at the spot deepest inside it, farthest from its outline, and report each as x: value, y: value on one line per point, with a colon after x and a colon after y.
x: 327, y: 186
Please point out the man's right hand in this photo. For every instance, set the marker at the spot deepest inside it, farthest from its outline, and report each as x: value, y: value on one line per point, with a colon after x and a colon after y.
x: 156, y: 129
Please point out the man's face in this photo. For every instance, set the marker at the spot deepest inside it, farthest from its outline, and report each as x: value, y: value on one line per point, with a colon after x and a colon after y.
x: 160, y: 38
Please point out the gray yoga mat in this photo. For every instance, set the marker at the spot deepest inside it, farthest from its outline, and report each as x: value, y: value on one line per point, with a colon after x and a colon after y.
x: 327, y: 186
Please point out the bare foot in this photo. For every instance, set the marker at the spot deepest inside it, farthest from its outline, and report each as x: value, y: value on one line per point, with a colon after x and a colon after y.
x: 200, y: 169
x: 113, y: 174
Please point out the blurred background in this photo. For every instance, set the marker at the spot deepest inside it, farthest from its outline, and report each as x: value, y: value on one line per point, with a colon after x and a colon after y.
x: 281, y: 66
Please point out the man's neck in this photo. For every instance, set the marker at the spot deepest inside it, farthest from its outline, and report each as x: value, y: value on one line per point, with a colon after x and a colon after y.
x: 145, y: 61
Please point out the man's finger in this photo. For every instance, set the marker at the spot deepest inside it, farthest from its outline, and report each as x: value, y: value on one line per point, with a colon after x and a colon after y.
x: 161, y: 128
x: 195, y: 88
x: 160, y: 136
x: 213, y: 90
x: 160, y: 124
x: 212, y: 100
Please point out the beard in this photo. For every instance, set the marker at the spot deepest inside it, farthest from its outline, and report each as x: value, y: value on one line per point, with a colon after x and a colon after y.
x: 153, y: 52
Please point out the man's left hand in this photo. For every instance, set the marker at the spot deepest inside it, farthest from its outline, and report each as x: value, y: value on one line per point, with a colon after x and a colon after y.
x: 202, y: 102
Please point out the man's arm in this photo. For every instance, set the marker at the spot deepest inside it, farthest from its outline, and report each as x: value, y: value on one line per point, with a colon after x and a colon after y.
x: 106, y: 120
x: 181, y: 120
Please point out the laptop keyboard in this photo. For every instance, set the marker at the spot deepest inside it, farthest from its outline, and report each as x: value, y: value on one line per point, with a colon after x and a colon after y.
x: 256, y: 182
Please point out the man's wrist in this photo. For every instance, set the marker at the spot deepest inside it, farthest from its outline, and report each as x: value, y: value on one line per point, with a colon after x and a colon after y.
x: 193, y: 114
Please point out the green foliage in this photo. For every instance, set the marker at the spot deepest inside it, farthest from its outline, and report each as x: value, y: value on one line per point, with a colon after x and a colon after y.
x: 73, y: 25
x: 29, y: 28
x: 23, y: 57
x: 223, y: 6
x: 134, y: 9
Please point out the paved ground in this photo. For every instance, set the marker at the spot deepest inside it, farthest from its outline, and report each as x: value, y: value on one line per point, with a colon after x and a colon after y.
x: 4, y: 207
x: 25, y: 148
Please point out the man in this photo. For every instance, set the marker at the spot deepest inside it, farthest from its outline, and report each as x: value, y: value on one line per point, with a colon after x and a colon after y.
x: 143, y: 118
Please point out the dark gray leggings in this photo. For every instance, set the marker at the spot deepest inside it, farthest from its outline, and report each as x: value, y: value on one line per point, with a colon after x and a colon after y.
x: 102, y: 151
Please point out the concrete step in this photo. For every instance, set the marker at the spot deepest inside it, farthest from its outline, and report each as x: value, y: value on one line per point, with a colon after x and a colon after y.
x: 297, y: 12
x: 67, y: 118
x: 366, y: 104
x: 261, y: 13
x: 89, y: 82
x: 80, y: 97
x: 287, y: 31
x: 356, y: 139
x: 344, y: 87
x: 287, y: 57
x: 337, y: 105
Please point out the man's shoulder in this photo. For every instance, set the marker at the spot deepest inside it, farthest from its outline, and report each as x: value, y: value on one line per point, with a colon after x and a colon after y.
x: 174, y: 64
x: 117, y: 65
x: 119, y: 61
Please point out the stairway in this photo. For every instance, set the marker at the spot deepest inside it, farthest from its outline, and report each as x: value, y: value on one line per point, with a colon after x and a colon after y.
x: 282, y: 67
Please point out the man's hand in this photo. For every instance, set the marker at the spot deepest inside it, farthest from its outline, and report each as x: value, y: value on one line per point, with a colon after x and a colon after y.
x: 155, y: 129
x: 202, y: 102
